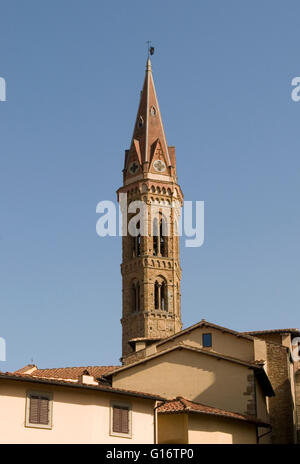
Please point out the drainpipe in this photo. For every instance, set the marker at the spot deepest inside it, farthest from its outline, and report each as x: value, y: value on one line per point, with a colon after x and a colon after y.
x: 158, y: 404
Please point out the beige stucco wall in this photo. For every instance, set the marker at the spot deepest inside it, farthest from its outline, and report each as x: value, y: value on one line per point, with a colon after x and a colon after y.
x: 260, y: 349
x: 215, y: 430
x: 172, y: 428
x: 261, y: 403
x: 222, y: 342
x: 79, y: 416
x: 194, y: 376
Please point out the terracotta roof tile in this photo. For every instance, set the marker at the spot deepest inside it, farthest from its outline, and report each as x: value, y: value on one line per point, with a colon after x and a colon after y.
x: 72, y: 384
x: 182, y: 405
x: 68, y: 373
x: 26, y: 368
x: 273, y: 331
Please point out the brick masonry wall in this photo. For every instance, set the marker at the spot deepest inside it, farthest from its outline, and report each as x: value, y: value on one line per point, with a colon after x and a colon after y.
x: 146, y: 269
x: 280, y: 406
x: 298, y: 403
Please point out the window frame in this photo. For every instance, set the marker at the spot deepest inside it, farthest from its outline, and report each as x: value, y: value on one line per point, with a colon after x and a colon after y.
x: 44, y: 394
x: 119, y: 404
x: 203, y: 337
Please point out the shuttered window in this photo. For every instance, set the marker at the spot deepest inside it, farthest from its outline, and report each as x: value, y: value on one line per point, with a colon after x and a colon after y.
x: 207, y: 340
x: 120, y: 419
x: 39, y: 410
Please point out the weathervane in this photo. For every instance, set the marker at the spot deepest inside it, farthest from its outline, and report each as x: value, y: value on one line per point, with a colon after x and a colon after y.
x: 150, y: 48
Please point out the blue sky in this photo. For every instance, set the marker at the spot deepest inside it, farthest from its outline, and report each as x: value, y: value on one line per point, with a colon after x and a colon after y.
x: 74, y: 70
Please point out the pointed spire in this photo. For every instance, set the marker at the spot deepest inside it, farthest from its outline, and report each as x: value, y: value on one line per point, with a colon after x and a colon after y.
x: 148, y: 66
x: 148, y: 135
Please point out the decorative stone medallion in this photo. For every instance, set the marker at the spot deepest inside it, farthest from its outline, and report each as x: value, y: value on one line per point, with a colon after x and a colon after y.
x: 159, y: 166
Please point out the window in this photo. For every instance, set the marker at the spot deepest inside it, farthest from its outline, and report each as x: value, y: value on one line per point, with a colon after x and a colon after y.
x: 156, y: 295
x: 206, y: 340
x: 140, y: 122
x: 121, y: 420
x: 159, y: 237
x: 160, y: 295
x: 136, y: 246
x: 135, y: 296
x: 155, y: 237
x: 162, y: 237
x: 153, y: 111
x: 136, y: 242
x: 39, y: 410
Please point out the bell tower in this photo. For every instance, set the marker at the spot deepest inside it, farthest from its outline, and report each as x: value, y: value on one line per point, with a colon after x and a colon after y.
x: 150, y: 266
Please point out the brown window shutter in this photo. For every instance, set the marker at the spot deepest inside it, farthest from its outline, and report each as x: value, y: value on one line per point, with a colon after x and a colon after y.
x: 116, y: 420
x: 39, y: 410
x: 120, y: 419
x: 44, y: 411
x: 125, y: 420
x: 34, y: 410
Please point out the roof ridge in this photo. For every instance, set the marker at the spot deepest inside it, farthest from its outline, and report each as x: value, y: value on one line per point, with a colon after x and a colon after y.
x: 63, y: 382
x: 204, y: 323
x: 71, y: 367
x: 196, y: 407
x: 181, y: 346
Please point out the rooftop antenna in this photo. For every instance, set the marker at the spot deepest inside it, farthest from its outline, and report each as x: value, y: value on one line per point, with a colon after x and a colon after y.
x: 150, y: 48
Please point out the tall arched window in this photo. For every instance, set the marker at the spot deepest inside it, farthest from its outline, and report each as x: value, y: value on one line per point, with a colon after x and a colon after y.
x: 138, y: 305
x: 135, y: 296
x: 159, y: 237
x: 136, y: 243
x: 155, y: 237
x: 162, y: 233
x: 156, y: 295
x: 160, y: 295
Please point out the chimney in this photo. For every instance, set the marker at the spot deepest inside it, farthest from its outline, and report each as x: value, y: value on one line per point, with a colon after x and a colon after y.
x: 87, y: 379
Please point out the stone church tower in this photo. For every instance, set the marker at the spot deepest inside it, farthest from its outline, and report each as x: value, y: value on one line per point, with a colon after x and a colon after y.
x: 150, y: 267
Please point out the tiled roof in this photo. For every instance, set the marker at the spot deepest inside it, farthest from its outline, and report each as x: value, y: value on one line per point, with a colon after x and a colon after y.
x: 273, y: 331
x: 67, y: 373
x: 182, y: 405
x: 72, y: 384
x: 26, y: 368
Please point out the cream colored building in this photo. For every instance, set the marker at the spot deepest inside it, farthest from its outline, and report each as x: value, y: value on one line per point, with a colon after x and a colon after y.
x: 203, y: 384
x: 52, y: 410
